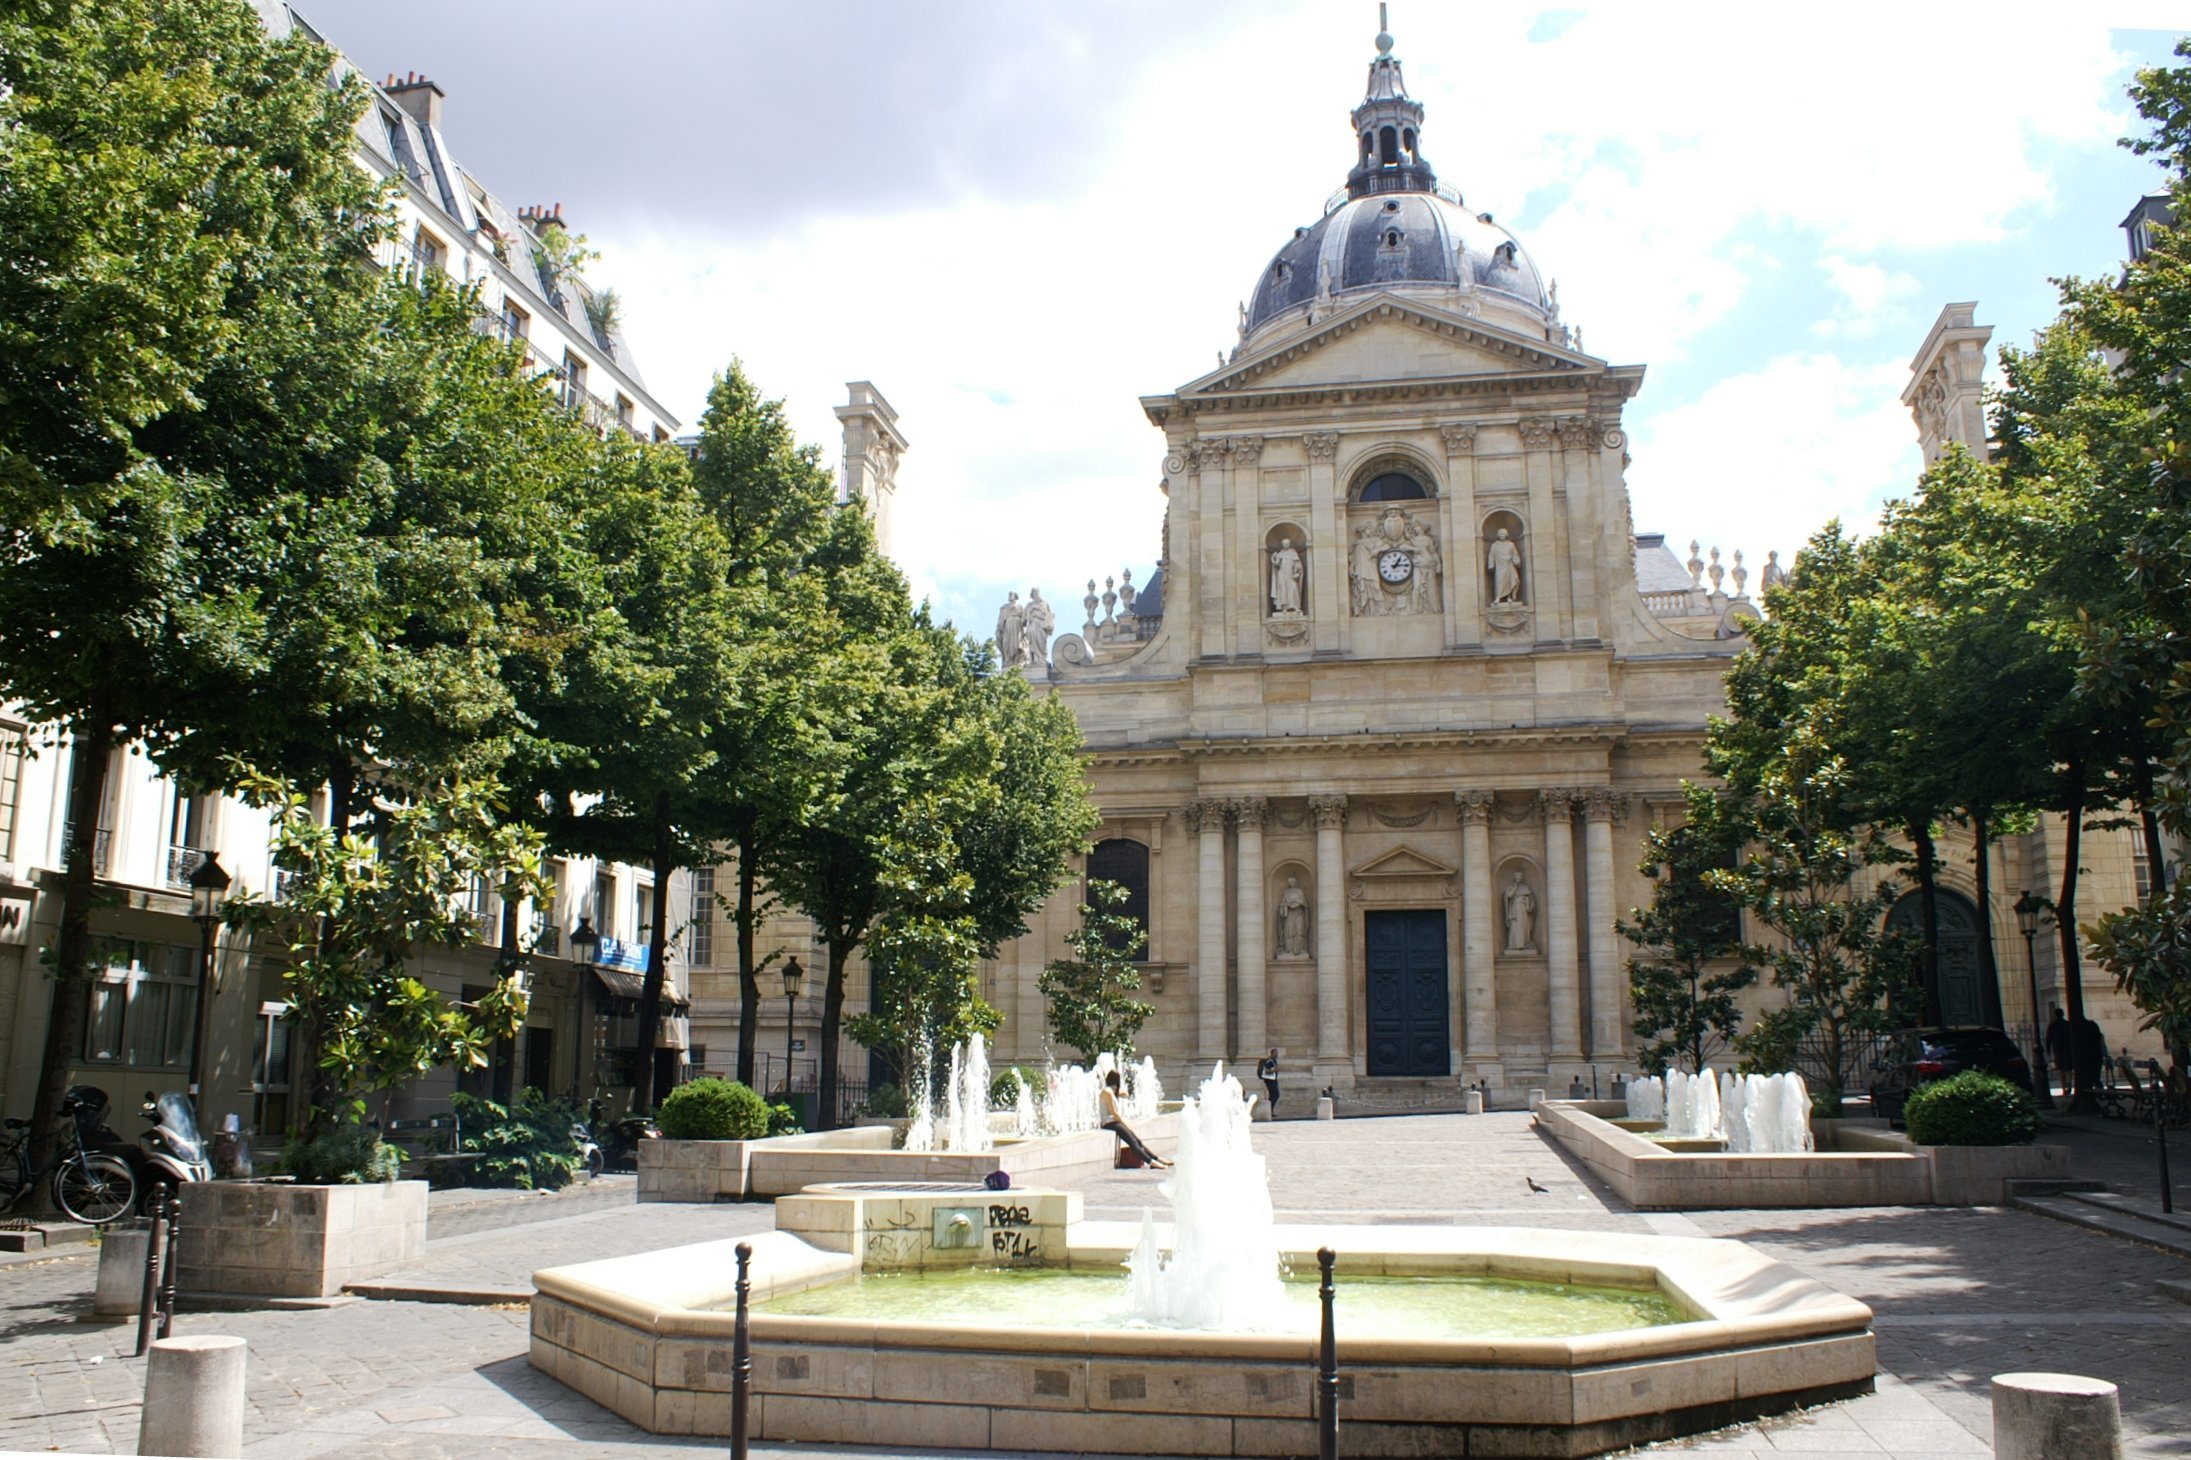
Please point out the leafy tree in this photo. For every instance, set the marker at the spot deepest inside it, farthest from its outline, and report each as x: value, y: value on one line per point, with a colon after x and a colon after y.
x: 1091, y: 1000
x: 353, y: 912
x: 169, y: 173
x: 1680, y: 984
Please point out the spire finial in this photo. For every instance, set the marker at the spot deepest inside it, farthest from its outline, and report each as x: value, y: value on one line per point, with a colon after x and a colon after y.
x: 1384, y: 32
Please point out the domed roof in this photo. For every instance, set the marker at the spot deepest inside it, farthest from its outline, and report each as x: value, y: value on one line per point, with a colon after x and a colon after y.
x: 1397, y: 227
x: 1387, y: 240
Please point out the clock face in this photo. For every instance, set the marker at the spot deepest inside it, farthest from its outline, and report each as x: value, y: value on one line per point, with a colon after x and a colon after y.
x: 1395, y: 566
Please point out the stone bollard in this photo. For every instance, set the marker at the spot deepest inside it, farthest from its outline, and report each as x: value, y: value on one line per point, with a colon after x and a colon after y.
x: 1472, y: 1102
x: 1325, y: 1108
x: 2056, y: 1417
x: 121, y: 1271
x: 1536, y: 1098
x: 193, y: 1397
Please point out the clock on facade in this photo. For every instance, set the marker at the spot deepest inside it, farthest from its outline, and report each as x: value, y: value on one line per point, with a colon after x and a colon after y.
x: 1395, y: 566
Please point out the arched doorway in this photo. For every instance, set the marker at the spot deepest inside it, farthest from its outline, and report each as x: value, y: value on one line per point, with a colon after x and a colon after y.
x: 1964, y: 995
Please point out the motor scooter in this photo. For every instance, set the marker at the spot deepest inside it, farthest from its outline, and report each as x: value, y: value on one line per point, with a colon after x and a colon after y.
x: 173, y: 1153
x: 620, y: 1141
x: 589, y: 1151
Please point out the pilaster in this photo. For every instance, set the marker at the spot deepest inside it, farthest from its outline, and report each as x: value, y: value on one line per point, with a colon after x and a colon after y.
x: 1546, y: 531
x: 1245, y: 601
x: 1563, y: 974
x: 1333, y: 1060
x: 1604, y: 810
x: 1328, y: 556
x: 1479, y: 981
x: 1207, y: 819
x: 1463, y: 544
x: 1254, y: 926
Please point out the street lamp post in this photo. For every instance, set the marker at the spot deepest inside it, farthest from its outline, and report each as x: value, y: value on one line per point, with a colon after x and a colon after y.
x: 2027, y: 922
x: 585, y: 944
x: 794, y: 980
x: 208, y: 895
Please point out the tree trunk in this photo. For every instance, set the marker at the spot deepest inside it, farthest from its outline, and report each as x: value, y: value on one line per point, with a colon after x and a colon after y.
x: 71, y: 970
x: 1928, y: 911
x: 825, y: 1094
x: 2149, y: 822
x: 650, y: 992
x: 317, y: 1109
x: 505, y: 1050
x: 1989, y: 972
x: 2084, y: 1100
x: 749, y: 977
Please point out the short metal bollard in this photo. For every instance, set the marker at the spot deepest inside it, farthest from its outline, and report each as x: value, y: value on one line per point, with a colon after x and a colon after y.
x: 148, y: 1298
x: 741, y: 1354
x: 169, y: 1263
x: 1472, y: 1102
x: 1327, y: 1364
x: 2160, y: 1132
x: 2056, y: 1417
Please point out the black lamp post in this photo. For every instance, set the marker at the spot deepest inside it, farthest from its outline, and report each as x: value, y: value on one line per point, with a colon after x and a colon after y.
x: 794, y: 980
x: 208, y: 895
x: 585, y: 944
x: 2027, y: 910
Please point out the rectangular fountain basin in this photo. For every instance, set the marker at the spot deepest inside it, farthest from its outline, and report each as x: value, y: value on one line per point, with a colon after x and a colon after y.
x: 650, y: 1338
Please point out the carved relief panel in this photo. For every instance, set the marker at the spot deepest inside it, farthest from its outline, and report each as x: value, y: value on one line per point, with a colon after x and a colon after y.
x: 1395, y: 567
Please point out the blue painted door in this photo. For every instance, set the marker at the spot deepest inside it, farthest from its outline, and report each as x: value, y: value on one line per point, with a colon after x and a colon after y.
x: 1410, y: 1017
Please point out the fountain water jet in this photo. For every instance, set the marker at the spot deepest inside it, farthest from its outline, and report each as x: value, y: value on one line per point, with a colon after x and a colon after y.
x: 1223, y: 1271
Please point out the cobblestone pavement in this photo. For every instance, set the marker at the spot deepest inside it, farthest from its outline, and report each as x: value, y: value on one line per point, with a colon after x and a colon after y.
x: 1960, y: 1295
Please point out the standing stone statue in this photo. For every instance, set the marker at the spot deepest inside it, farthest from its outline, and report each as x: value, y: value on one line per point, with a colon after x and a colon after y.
x: 1505, y: 562
x: 1774, y: 575
x: 1011, y: 633
x: 1285, y: 578
x: 1521, y: 917
x: 1035, y: 636
x: 1422, y: 543
x: 1293, y: 920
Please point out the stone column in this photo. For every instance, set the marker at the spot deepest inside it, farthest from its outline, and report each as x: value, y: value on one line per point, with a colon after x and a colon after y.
x: 1479, y: 986
x: 1247, y: 815
x: 1606, y: 809
x: 1563, y: 993
x: 1331, y: 929
x: 1208, y: 820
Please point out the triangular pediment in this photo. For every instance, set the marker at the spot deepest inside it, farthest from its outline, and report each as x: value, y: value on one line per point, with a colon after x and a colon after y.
x: 1387, y: 338
x: 1405, y: 862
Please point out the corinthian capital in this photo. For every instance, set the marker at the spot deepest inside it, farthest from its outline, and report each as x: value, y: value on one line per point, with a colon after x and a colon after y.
x: 1247, y: 450
x: 1557, y: 803
x: 1248, y: 812
x: 1536, y: 433
x: 1207, y: 814
x: 1606, y: 804
x: 1459, y: 440
x: 1475, y: 807
x: 1328, y: 810
x: 1321, y: 445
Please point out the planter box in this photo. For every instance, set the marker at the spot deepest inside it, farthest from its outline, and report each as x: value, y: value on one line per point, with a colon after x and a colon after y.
x: 1978, y: 1176
x: 280, y: 1240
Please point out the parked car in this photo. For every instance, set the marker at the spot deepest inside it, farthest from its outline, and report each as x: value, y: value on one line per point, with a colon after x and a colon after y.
x: 1919, y: 1056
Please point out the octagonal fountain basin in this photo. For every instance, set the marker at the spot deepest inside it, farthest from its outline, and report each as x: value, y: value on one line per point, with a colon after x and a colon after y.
x: 1481, y: 1341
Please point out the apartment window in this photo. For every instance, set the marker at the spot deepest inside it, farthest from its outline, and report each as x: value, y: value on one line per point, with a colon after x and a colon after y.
x: 574, y: 381
x: 11, y: 787
x: 270, y: 1070
x: 144, y: 1007
x: 604, y: 904
x: 189, y: 835
x: 646, y: 912
x: 2141, y: 865
x: 624, y: 414
x: 428, y: 253
x: 548, y: 911
x: 516, y: 323
x: 700, y: 940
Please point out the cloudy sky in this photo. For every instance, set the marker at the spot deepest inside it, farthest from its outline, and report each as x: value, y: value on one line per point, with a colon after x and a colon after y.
x: 1017, y: 218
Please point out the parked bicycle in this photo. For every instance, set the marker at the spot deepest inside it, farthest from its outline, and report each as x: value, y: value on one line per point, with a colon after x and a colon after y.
x: 88, y: 1186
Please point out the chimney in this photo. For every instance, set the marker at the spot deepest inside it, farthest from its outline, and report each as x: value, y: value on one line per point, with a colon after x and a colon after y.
x: 536, y: 217
x: 418, y: 96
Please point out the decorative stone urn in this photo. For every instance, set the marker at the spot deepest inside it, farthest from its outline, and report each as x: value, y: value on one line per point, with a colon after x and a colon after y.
x: 285, y: 1240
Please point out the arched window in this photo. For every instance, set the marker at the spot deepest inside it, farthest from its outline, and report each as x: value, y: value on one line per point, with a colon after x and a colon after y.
x: 1392, y: 486
x: 1127, y: 864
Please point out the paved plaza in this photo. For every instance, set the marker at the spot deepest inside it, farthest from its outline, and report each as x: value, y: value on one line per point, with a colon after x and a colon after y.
x: 1960, y: 1294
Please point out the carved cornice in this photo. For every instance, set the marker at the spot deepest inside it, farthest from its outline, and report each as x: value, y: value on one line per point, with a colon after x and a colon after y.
x: 1537, y: 433
x: 1247, y: 450
x: 1206, y: 816
x: 1459, y: 440
x: 1606, y: 804
x: 1248, y: 812
x: 1475, y: 807
x: 1321, y: 445
x: 1329, y: 811
x: 1529, y: 354
x: 1583, y: 737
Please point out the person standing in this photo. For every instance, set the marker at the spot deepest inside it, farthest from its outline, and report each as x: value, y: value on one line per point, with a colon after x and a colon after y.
x: 1267, y: 1072
x: 2061, y: 1049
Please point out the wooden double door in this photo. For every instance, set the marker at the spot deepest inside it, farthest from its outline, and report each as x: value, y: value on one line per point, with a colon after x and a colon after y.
x: 1410, y: 1011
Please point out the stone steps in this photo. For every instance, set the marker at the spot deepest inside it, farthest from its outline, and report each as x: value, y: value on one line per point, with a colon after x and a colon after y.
x: 39, y: 1236
x: 2116, y: 1217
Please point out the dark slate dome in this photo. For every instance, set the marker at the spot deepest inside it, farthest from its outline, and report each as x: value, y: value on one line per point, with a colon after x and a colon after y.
x: 1396, y: 227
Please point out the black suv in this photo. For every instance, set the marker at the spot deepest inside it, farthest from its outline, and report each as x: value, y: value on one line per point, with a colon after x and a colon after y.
x: 1918, y: 1056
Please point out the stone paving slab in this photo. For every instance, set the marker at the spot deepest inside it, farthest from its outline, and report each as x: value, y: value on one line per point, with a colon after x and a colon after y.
x: 1961, y: 1294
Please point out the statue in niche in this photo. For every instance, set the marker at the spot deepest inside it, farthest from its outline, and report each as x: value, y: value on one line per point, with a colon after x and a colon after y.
x: 1394, y: 565
x: 1504, y: 561
x: 1039, y: 623
x: 1521, y: 916
x: 1285, y: 578
x: 1012, y: 633
x: 1293, y: 921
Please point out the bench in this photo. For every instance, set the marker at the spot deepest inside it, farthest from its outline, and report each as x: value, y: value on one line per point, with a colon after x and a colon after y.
x: 436, y: 1145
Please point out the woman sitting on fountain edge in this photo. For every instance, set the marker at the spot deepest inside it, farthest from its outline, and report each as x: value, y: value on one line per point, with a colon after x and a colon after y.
x: 1114, y: 1121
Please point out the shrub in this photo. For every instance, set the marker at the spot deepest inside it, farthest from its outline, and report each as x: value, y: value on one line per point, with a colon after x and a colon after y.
x: 713, y: 1110
x: 347, y: 1155
x: 1971, y: 1109
x: 528, y: 1145
x: 885, y: 1102
x: 1004, y: 1086
x: 783, y: 1120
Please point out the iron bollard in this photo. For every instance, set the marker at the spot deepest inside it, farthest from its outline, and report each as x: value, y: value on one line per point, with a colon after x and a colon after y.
x: 1327, y: 1366
x: 148, y: 1300
x: 741, y: 1355
x: 2160, y: 1132
x: 168, y: 1259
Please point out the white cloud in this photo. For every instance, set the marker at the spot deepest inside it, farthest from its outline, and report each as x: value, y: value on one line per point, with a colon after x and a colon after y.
x: 1871, y: 298
x: 1761, y: 461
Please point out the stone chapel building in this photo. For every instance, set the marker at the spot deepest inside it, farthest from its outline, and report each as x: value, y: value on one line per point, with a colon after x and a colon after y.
x: 1376, y: 746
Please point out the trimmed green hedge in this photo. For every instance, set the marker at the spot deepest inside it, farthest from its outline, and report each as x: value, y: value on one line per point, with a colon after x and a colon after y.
x: 713, y: 1110
x: 1971, y: 1109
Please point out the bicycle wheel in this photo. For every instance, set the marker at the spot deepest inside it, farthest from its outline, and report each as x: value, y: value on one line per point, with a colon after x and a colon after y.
x: 96, y: 1190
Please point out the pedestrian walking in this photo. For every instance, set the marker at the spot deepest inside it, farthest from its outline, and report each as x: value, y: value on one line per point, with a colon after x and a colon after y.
x: 2061, y: 1049
x: 1267, y: 1072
